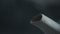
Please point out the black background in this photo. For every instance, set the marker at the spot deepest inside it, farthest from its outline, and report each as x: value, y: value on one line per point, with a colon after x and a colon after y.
x: 16, y: 14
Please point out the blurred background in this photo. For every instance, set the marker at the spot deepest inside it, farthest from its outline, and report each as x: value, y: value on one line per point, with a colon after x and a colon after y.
x: 16, y: 14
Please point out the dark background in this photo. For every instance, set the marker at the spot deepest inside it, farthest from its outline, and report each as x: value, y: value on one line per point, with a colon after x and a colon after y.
x: 16, y: 14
